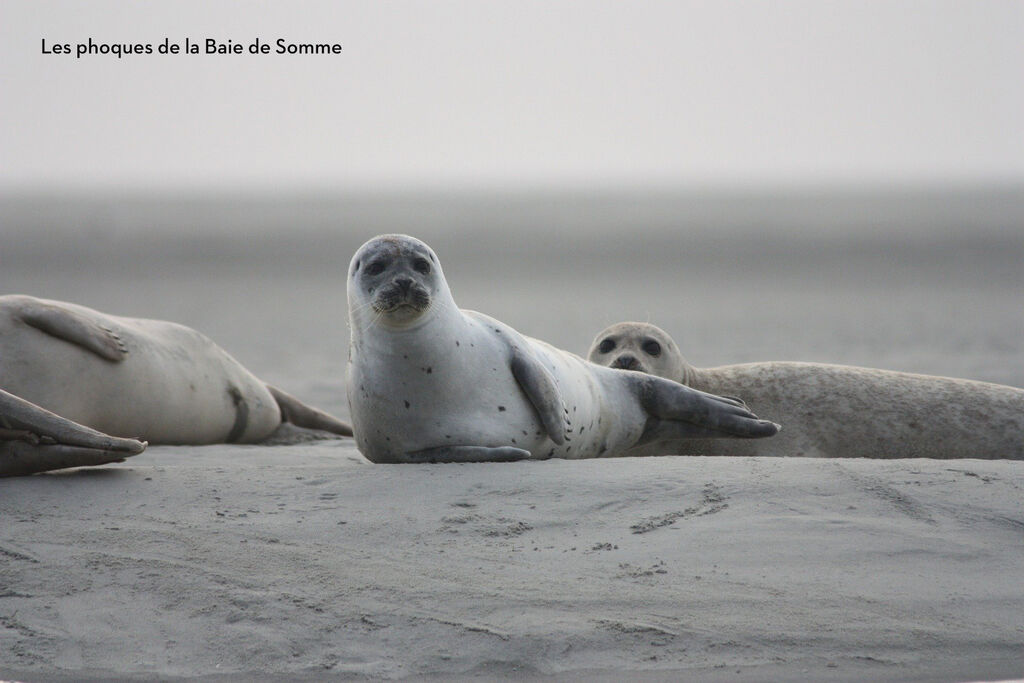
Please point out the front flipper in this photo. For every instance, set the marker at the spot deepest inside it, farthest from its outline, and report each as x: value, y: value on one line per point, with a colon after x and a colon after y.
x: 468, y: 454
x: 692, y: 413
x: 74, y: 327
x: 299, y: 414
x: 540, y: 389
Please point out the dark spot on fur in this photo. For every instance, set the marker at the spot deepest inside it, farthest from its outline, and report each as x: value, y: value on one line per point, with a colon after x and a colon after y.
x: 406, y: 404
x: 513, y: 439
x: 501, y: 409
x: 551, y: 453
x: 457, y: 342
x: 430, y: 370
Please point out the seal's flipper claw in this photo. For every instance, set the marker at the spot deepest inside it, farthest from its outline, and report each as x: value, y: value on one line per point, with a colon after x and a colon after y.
x: 540, y: 389
x: 96, y: 336
x: 468, y: 454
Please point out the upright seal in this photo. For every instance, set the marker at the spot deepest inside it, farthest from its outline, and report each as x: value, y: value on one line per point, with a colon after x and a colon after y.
x: 428, y: 382
x: 148, y: 379
x: 836, y: 411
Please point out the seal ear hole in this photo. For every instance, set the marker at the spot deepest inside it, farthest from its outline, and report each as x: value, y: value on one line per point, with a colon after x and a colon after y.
x: 375, y: 268
x: 652, y: 348
x: 421, y: 265
x: 607, y: 346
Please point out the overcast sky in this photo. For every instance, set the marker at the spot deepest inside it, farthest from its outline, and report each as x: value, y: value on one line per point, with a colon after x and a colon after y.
x: 515, y: 93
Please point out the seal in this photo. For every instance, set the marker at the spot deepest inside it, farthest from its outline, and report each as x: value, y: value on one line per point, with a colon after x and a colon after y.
x: 147, y: 379
x: 428, y: 382
x: 836, y: 411
x: 35, y: 440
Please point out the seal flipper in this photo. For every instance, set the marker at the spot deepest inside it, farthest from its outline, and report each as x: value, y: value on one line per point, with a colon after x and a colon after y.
x: 35, y: 440
x: 299, y: 414
x: 468, y: 454
x: 73, y: 327
x: 683, y: 412
x: 540, y: 388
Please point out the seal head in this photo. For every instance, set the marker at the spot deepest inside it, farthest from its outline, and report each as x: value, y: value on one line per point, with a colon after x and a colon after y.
x: 639, y: 346
x: 397, y: 280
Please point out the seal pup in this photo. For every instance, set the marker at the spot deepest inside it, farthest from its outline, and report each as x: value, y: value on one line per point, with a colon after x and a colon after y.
x: 130, y: 377
x: 836, y: 411
x: 428, y: 382
x: 35, y: 440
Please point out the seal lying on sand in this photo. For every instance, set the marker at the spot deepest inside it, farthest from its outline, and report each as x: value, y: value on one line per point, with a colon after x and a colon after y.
x: 430, y: 383
x: 836, y: 411
x: 146, y: 379
x: 35, y: 440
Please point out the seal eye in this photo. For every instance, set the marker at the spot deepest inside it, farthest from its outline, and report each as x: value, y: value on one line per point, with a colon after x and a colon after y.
x: 652, y: 348
x: 606, y: 346
x: 375, y: 268
x: 421, y: 265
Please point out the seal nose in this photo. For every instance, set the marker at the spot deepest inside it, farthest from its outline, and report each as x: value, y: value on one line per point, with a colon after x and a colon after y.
x: 626, y: 362
x: 404, y: 284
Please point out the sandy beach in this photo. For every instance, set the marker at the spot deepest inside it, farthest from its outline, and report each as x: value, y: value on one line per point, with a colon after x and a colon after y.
x: 306, y: 562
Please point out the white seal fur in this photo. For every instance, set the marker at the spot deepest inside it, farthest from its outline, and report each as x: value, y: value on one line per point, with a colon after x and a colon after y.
x: 836, y: 411
x: 148, y: 379
x: 428, y: 382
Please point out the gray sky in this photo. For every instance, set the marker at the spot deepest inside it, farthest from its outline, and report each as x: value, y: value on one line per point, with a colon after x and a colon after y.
x: 516, y: 93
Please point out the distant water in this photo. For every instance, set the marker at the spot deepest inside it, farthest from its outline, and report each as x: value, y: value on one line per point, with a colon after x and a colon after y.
x: 928, y: 282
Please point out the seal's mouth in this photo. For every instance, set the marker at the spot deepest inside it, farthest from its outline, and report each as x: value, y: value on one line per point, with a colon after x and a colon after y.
x: 402, y: 296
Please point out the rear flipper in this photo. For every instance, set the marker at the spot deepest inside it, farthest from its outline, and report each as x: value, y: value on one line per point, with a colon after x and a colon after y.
x: 18, y: 458
x: 299, y: 414
x: 468, y: 454
x: 677, y: 411
x: 35, y: 440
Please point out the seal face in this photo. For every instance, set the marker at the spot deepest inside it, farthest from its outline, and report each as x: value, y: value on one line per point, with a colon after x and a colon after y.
x: 638, y: 346
x: 398, y: 279
x: 837, y: 411
x: 428, y: 382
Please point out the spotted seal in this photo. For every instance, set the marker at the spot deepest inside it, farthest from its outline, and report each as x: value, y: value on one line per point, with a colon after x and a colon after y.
x: 428, y: 382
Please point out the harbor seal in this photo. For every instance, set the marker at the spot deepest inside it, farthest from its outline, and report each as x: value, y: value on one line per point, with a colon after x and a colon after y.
x: 146, y: 379
x: 35, y: 440
x: 836, y: 411
x: 428, y: 382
